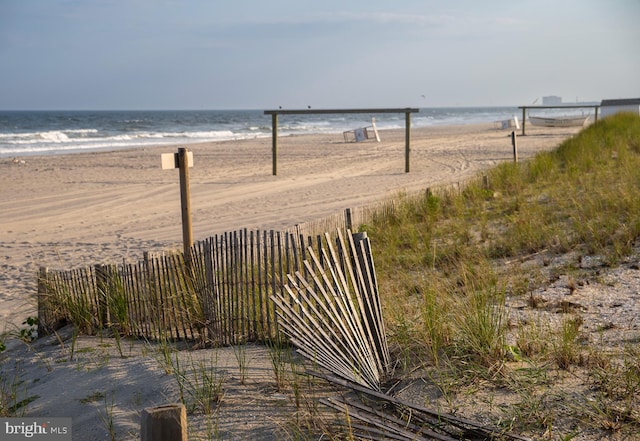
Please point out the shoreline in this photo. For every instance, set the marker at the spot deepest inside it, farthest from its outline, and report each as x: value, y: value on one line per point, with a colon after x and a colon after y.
x: 73, y: 210
x: 171, y: 144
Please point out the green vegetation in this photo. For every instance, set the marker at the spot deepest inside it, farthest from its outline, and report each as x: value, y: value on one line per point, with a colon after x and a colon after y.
x: 446, y: 260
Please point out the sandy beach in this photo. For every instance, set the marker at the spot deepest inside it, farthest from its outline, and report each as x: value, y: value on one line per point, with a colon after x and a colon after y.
x: 87, y: 208
x: 65, y: 211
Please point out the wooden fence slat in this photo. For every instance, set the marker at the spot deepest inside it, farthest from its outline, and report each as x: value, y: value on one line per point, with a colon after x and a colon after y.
x: 252, y: 287
x: 220, y: 292
x: 137, y: 271
x: 207, y: 295
x: 132, y: 316
x: 159, y: 299
x: 238, y: 328
x: 176, y: 285
x: 272, y: 280
x: 246, y: 285
x: 142, y: 283
x: 259, y: 271
x: 226, y: 267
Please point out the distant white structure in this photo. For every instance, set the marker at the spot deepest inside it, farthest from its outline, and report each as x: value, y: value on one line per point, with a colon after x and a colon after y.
x: 551, y: 100
x: 610, y: 107
x: 507, y: 123
x: 362, y: 133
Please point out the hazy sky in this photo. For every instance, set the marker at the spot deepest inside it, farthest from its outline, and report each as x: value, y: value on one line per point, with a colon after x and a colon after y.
x: 261, y: 54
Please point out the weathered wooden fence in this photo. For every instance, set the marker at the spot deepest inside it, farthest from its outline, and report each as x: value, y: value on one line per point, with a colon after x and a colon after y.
x: 221, y: 296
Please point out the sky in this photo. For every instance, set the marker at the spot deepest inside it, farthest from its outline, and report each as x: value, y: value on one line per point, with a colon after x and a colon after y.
x: 262, y: 54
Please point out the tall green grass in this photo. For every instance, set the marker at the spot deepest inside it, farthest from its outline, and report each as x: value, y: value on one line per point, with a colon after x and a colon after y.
x: 448, y: 259
x: 438, y: 250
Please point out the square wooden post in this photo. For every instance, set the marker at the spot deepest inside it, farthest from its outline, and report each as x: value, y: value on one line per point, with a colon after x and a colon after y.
x: 407, y: 141
x: 185, y: 193
x: 43, y: 305
x: 274, y: 143
x: 164, y: 423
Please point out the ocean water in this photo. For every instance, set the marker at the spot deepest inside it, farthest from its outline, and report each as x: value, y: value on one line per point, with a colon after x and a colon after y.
x: 24, y: 133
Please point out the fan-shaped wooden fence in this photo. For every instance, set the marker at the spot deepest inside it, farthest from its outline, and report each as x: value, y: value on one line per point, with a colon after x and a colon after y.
x: 331, y: 311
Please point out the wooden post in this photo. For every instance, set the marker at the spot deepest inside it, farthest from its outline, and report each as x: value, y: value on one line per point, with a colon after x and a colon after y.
x: 43, y: 307
x: 524, y: 119
x: 164, y: 423
x: 102, y: 287
x: 185, y: 197
x: 514, y: 142
x: 274, y: 143
x: 596, y: 108
x: 347, y: 218
x: 407, y: 141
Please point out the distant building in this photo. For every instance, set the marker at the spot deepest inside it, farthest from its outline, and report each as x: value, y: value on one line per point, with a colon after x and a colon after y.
x: 551, y: 100
x: 610, y: 107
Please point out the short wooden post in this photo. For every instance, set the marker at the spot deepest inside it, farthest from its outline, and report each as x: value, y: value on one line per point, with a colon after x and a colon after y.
x: 514, y: 142
x: 347, y: 218
x: 524, y: 119
x: 185, y: 197
x: 102, y: 288
x: 43, y: 307
x: 164, y: 423
x: 596, y: 108
x: 407, y: 141
x: 274, y: 143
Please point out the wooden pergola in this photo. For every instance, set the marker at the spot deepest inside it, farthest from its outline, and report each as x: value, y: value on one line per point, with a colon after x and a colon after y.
x: 274, y: 122
x: 569, y: 106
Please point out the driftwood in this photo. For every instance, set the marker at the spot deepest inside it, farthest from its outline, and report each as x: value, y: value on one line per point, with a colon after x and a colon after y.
x: 376, y: 416
x: 331, y: 311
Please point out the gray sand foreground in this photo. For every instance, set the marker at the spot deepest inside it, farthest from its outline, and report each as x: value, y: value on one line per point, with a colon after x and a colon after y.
x: 88, y: 208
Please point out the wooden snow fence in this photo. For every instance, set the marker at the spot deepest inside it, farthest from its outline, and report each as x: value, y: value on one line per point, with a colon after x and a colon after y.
x: 220, y: 297
x: 154, y: 298
x: 330, y: 309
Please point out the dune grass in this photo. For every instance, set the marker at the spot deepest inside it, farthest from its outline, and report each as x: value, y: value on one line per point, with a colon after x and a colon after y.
x: 442, y: 256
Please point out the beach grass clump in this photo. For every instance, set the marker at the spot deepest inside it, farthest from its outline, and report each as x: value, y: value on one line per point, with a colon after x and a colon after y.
x: 566, y: 350
x: 480, y: 327
x: 8, y: 393
x: 619, y: 381
x: 200, y: 381
x: 14, y: 397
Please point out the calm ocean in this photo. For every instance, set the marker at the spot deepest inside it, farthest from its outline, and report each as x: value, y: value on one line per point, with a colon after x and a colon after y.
x: 53, y: 132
